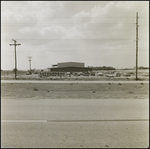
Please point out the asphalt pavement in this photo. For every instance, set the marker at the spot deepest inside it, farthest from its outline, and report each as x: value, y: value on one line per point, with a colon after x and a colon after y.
x: 79, y: 123
x: 69, y: 81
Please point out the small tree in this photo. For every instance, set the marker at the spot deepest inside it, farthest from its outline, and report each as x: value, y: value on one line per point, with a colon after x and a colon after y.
x: 14, y: 70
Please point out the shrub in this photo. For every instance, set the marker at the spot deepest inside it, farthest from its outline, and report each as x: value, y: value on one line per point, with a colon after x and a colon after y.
x: 130, y: 92
x: 35, y: 89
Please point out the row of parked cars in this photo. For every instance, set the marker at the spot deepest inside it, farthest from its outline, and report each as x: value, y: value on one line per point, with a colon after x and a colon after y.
x: 81, y: 74
x: 113, y: 74
x: 109, y: 74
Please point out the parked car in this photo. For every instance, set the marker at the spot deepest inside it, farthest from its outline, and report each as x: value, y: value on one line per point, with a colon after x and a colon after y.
x: 100, y: 74
x: 126, y: 75
x: 85, y: 74
x: 92, y: 74
x: 118, y: 74
x: 68, y: 74
x: 79, y: 73
x: 110, y: 75
x: 28, y: 73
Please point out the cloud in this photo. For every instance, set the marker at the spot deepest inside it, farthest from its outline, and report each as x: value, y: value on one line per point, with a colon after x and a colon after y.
x: 94, y: 32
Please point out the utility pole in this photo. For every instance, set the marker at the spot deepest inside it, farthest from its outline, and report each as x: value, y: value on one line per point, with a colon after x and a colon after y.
x: 15, y: 55
x: 137, y: 46
x: 30, y: 63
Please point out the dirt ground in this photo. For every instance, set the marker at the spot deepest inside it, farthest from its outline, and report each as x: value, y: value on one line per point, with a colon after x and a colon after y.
x: 21, y: 75
x: 75, y: 91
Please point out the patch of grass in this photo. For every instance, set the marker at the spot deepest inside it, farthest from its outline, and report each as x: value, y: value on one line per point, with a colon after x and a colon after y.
x: 140, y: 79
x: 106, y: 145
x: 35, y: 89
x: 130, y: 92
x: 77, y: 90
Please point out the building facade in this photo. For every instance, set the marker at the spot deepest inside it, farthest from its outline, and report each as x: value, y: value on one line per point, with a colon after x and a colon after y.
x: 70, y: 64
x: 70, y: 67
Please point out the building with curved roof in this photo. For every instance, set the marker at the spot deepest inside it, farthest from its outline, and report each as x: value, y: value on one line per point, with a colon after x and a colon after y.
x: 70, y: 67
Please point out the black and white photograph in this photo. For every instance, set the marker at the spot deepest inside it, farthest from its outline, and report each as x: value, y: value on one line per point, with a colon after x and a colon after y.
x: 74, y: 74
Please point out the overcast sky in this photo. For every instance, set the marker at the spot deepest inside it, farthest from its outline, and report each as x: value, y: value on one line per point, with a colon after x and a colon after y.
x: 97, y: 33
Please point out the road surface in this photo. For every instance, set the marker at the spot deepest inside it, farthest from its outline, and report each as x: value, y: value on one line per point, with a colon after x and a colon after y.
x: 49, y: 81
x: 79, y: 123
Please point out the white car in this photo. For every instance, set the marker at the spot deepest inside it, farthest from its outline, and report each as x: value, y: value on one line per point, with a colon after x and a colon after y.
x: 110, y: 75
x: 100, y: 74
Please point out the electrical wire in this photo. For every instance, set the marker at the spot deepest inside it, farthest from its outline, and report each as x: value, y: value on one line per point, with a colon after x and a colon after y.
x: 66, y: 24
x: 68, y: 17
x: 73, y: 39
x: 61, y: 23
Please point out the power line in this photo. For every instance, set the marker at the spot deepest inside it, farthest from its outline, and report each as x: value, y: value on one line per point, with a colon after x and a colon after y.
x: 76, y: 39
x: 67, y: 17
x: 63, y: 23
x: 66, y: 24
x: 77, y: 49
x: 77, y: 17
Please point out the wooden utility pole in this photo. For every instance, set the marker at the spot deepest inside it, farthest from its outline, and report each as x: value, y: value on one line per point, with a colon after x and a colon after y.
x: 15, y: 55
x: 30, y: 63
x: 137, y: 46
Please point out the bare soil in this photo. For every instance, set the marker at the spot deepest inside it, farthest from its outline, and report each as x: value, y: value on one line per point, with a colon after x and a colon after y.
x: 75, y: 91
x: 21, y: 75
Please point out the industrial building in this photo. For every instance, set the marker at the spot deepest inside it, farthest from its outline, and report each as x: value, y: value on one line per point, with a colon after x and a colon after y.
x: 70, y: 67
x: 62, y: 69
x: 66, y: 68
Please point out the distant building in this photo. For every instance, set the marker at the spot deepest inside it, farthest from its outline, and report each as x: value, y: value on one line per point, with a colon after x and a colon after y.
x: 70, y: 67
x: 70, y: 64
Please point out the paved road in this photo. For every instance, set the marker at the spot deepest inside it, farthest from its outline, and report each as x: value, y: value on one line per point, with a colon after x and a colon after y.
x: 76, y: 123
x: 49, y: 81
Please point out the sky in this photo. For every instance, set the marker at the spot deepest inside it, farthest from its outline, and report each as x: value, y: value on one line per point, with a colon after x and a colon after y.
x: 97, y: 33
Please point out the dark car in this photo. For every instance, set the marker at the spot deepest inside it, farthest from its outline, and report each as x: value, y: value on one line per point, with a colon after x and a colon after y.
x: 92, y: 74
